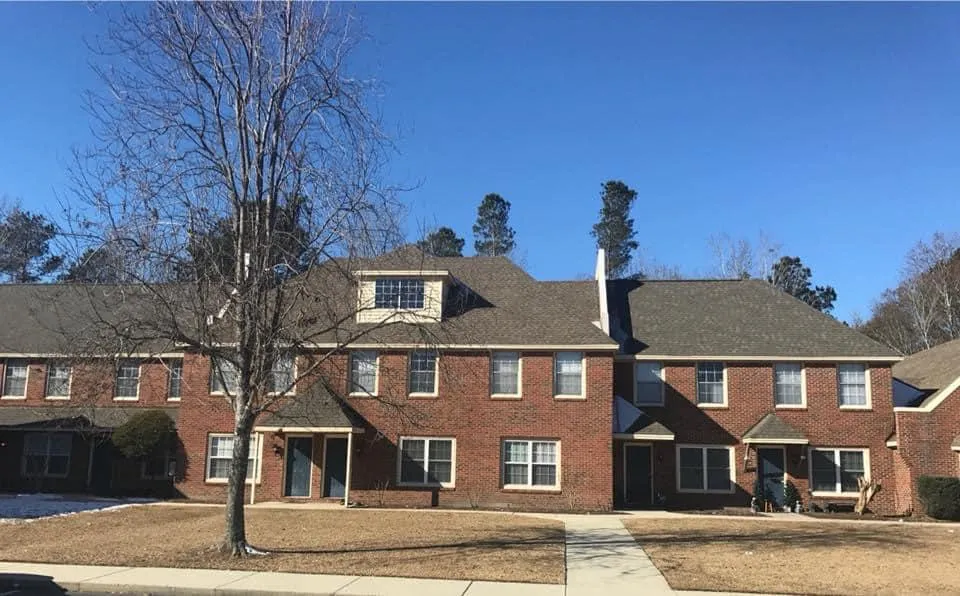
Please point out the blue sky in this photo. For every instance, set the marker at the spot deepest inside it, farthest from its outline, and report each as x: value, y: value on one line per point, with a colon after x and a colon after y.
x: 832, y: 128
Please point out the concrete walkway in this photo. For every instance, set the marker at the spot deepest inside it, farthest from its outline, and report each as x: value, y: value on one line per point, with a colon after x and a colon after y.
x: 603, y: 558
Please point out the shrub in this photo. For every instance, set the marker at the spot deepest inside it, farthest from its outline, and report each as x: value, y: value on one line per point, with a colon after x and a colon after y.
x: 791, y: 496
x: 940, y: 496
x: 759, y: 496
x: 144, y: 433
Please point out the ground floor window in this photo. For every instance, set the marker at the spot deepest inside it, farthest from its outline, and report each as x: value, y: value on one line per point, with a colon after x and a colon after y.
x: 427, y: 461
x: 705, y: 468
x: 158, y: 467
x: 46, y: 454
x: 837, y: 470
x: 531, y: 464
x: 220, y: 453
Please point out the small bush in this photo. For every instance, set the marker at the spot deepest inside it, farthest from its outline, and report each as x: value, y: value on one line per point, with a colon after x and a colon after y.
x: 144, y: 433
x: 940, y: 496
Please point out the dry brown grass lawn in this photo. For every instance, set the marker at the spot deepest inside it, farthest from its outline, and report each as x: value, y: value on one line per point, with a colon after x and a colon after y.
x: 802, y: 558
x: 408, y: 544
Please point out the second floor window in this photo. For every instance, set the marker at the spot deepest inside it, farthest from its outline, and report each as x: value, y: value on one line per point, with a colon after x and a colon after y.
x: 398, y: 293
x: 283, y: 374
x: 423, y: 372
x: 363, y: 372
x: 568, y: 373
x: 710, y: 383
x: 649, y: 384
x: 788, y: 384
x: 15, y: 378
x: 58, y: 380
x: 852, y: 384
x: 224, y: 377
x: 505, y: 373
x: 176, y: 379
x: 128, y: 379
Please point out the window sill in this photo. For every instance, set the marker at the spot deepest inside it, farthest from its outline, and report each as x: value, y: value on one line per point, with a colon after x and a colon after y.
x: 126, y: 398
x: 173, y: 399
x: 570, y: 397
x: 689, y: 491
x: 790, y: 406
x: 523, y: 488
x: 422, y: 395
x: 362, y: 395
x: 818, y: 493
x: 224, y: 481
x: 861, y: 408
x: 13, y: 397
x: 641, y: 405
x: 56, y: 397
x: 506, y: 396
x: 713, y: 406
x: 426, y: 485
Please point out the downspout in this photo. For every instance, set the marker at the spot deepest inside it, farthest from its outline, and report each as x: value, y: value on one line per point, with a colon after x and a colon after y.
x: 601, y: 277
x: 346, y: 484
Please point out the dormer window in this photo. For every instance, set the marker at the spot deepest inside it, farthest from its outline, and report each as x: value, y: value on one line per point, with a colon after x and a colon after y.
x: 404, y: 294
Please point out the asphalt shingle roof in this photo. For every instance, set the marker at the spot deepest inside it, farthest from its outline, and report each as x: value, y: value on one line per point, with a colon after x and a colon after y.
x: 71, y: 418
x: 772, y: 429
x: 317, y: 407
x: 727, y: 318
x: 931, y: 369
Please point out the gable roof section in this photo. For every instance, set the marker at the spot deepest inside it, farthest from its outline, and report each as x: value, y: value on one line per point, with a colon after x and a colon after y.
x: 729, y: 319
x: 773, y: 430
x: 316, y: 408
x: 931, y: 369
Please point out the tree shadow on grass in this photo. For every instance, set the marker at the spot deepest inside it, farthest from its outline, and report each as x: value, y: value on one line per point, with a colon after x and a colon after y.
x: 798, y: 537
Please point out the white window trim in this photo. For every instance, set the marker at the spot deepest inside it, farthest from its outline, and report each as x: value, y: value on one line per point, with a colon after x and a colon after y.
x: 46, y: 384
x: 663, y: 385
x: 45, y: 474
x: 170, y: 380
x: 376, y: 376
x: 803, y: 388
x: 3, y: 381
x: 293, y: 388
x: 519, y: 393
x: 529, y: 487
x: 436, y: 376
x: 836, y: 453
x: 258, y: 461
x: 218, y: 376
x: 866, y: 387
x: 139, y: 379
x: 703, y: 454
x: 398, y: 309
x: 583, y: 377
x: 726, y: 401
x: 426, y: 453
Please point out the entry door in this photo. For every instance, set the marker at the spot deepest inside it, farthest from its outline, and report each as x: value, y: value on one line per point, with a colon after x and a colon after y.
x: 637, y: 475
x: 335, y: 467
x: 770, y: 468
x: 299, y: 462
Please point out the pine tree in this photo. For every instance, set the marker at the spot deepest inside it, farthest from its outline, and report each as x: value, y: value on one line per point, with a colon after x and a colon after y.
x: 25, y: 252
x: 614, y: 232
x: 442, y: 242
x: 790, y: 275
x: 492, y: 233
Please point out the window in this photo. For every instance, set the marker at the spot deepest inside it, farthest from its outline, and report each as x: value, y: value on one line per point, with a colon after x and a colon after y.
x: 58, y: 380
x: 788, y: 384
x: 852, y: 385
x: 836, y: 470
x: 157, y: 467
x: 568, y: 374
x: 427, y: 461
x: 398, y: 293
x: 224, y: 376
x: 704, y: 469
x: 648, y: 377
x: 283, y: 374
x: 710, y: 383
x: 46, y: 454
x: 219, y: 454
x: 176, y: 379
x: 423, y: 372
x: 505, y: 373
x: 363, y: 372
x: 15, y: 378
x: 128, y: 379
x: 531, y: 464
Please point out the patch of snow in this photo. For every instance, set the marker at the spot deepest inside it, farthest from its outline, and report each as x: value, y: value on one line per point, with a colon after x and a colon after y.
x: 254, y: 551
x: 30, y: 507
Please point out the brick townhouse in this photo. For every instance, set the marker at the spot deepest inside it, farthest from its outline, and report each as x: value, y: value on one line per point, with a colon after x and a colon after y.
x: 927, y: 410
x: 528, y: 394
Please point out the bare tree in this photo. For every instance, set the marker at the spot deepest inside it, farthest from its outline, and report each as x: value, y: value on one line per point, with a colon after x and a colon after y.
x: 733, y: 259
x: 236, y: 132
x: 932, y: 266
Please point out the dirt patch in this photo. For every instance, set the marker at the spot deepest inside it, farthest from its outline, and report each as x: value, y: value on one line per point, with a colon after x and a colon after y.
x: 802, y: 558
x: 429, y: 544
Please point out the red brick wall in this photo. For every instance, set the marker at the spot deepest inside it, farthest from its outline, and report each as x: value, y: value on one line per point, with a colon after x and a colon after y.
x: 750, y: 397
x: 924, y: 442
x: 463, y: 410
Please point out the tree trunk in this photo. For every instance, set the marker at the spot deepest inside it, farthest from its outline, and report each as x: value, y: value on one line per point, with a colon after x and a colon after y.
x: 235, y: 538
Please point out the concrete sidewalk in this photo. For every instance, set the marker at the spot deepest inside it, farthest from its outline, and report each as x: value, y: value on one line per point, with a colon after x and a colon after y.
x: 155, y: 580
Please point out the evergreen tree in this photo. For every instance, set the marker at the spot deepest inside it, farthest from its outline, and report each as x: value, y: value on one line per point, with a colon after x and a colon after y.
x: 492, y: 233
x: 614, y: 232
x: 102, y: 265
x: 790, y: 275
x: 25, y: 253
x: 442, y: 242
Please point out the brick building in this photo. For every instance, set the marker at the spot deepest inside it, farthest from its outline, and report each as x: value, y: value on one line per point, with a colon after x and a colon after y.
x: 494, y: 390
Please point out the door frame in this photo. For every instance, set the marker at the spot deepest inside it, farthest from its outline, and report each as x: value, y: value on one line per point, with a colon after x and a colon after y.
x: 783, y: 450
x: 286, y: 450
x: 637, y: 444
x: 323, y: 466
